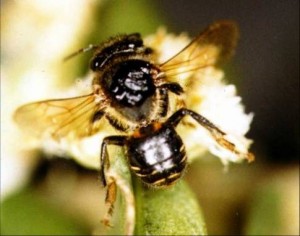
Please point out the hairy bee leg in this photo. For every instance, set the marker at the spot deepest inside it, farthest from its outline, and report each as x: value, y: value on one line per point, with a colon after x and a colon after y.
x: 104, y: 158
x: 181, y: 104
x: 110, y: 183
x: 218, y: 134
x: 127, y: 193
x: 181, y: 113
x: 110, y: 200
x: 115, y: 181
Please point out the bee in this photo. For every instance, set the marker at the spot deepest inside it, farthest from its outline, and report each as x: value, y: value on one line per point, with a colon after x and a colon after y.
x: 131, y: 90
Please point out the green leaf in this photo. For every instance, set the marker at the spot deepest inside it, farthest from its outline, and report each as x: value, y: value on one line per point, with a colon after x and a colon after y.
x: 169, y: 211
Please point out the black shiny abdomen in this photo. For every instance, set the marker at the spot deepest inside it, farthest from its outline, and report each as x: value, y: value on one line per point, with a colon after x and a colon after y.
x: 130, y: 83
x: 158, y: 158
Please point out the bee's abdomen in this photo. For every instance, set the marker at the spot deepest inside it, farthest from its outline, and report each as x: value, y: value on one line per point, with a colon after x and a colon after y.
x: 167, y: 177
x: 159, y: 159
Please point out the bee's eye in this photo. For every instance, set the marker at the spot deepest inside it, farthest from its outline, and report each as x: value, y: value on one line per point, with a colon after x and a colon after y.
x: 97, y: 62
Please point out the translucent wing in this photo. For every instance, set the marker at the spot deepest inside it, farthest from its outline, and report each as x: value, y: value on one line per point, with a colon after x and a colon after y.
x: 215, y: 44
x: 78, y: 116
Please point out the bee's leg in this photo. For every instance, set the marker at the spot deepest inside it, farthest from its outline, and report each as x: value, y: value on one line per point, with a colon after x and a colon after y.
x: 116, y: 181
x: 217, y: 134
x: 180, y: 103
x: 110, y: 199
x: 104, y: 158
x: 181, y: 113
x: 163, y: 101
x: 111, y: 184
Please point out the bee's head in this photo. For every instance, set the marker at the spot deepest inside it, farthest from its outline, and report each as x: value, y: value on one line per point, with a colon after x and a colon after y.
x: 123, y: 45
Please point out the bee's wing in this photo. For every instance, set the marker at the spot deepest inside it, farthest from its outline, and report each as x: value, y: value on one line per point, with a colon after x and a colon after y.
x: 59, y: 117
x: 215, y: 44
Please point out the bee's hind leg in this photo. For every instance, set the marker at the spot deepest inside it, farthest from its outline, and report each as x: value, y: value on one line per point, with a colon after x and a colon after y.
x: 109, y: 183
x: 110, y: 200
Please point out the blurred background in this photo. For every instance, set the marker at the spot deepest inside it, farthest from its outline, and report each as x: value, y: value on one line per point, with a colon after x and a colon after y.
x: 257, y: 199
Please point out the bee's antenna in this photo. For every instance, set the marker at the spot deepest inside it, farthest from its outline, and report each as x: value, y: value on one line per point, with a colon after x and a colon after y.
x: 82, y: 50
